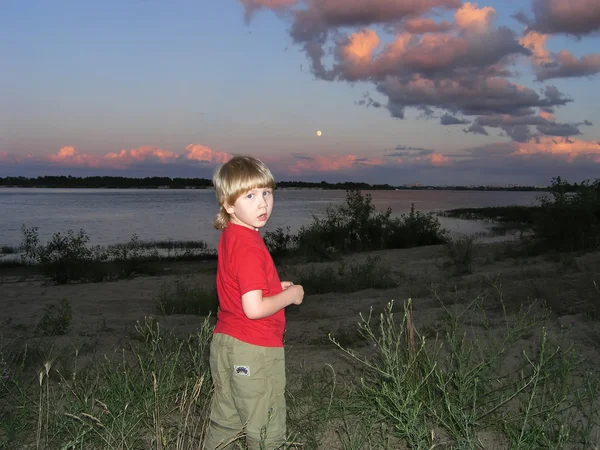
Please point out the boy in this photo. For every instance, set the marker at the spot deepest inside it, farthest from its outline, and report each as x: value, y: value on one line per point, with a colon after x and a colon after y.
x: 246, y: 354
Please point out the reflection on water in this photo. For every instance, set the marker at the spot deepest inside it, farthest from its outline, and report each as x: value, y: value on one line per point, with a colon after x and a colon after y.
x: 111, y: 216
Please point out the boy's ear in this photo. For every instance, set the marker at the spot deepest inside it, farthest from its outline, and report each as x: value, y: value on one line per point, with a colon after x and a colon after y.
x: 228, y: 208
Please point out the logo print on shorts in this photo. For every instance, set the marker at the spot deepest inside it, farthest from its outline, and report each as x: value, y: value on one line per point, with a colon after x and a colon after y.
x: 242, y: 370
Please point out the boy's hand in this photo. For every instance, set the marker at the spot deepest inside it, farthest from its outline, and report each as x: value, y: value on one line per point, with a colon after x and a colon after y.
x: 286, y: 284
x: 298, y: 293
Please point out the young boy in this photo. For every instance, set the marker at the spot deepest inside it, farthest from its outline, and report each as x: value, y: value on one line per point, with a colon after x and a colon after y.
x: 246, y: 353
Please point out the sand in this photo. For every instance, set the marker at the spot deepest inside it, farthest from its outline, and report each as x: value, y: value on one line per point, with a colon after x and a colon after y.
x: 105, y: 314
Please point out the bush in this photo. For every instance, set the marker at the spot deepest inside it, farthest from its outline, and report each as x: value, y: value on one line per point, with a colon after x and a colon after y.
x: 180, y: 298
x: 356, y: 226
x: 570, y: 219
x: 67, y: 257
x: 56, y: 320
x: 7, y: 250
x: 63, y: 258
x: 460, y: 250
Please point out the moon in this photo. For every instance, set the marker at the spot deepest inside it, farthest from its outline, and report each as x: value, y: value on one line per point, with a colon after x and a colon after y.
x: 319, y: 132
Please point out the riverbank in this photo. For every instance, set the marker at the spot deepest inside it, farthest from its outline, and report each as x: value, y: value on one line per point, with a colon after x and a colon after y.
x: 558, y: 290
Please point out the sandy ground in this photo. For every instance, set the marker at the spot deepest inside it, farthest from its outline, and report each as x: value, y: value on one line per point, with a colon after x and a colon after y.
x: 104, y: 314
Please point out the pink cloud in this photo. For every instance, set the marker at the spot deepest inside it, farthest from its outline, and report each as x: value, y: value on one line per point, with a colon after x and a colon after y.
x: 536, y: 42
x: 143, y: 153
x: 438, y: 159
x: 563, y: 64
x: 199, y: 152
x: 470, y: 17
x: 420, y: 25
x: 563, y: 147
x: 69, y: 156
x: 330, y: 163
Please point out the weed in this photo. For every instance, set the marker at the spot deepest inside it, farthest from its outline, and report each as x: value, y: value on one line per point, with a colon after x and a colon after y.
x: 56, y: 320
x: 461, y: 251
x: 180, y: 298
x: 347, y: 278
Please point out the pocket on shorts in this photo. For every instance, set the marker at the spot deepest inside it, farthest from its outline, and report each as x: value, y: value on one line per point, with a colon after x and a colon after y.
x: 248, y: 377
x: 275, y: 362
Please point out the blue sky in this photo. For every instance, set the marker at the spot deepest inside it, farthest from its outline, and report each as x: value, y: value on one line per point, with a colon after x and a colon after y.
x: 150, y: 87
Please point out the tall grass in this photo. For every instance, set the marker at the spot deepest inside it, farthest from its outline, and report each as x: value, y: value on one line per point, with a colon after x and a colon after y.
x: 153, y: 394
x: 467, y: 384
x: 452, y: 391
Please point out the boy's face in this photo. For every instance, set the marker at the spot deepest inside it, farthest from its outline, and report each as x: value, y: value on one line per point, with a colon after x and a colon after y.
x: 252, y: 209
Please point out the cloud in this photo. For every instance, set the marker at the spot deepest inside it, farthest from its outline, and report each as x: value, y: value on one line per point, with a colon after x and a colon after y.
x: 420, y: 25
x: 577, y: 17
x: 547, y: 115
x: 202, y: 153
x: 457, y: 67
x: 566, y: 65
x: 145, y: 155
x: 563, y: 64
x: 569, y: 148
x: 253, y: 6
x: 470, y: 17
x: 69, y: 156
x: 438, y: 159
x: 471, y: 95
x: 330, y: 163
x: 403, y: 151
x: 518, y: 127
x: 322, y: 16
x: 559, y: 129
x: 448, y: 119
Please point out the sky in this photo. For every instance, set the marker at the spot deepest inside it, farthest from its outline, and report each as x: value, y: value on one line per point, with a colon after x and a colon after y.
x: 437, y: 92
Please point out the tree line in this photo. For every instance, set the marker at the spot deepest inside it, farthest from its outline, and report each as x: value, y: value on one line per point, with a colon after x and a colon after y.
x: 112, y: 182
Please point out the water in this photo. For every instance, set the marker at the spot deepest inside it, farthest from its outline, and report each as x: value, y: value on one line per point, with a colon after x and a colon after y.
x: 111, y: 216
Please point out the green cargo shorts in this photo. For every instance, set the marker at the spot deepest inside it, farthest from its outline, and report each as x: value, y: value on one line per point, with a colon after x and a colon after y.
x: 249, y: 382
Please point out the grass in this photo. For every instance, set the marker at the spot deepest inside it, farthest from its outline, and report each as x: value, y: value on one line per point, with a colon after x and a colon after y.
x: 177, y: 297
x: 450, y: 392
x: 154, y: 394
x: 445, y: 392
x: 461, y: 253
x: 344, y: 277
x: 56, y: 319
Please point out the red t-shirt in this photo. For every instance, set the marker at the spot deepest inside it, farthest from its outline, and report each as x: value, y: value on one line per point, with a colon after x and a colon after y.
x: 244, y: 265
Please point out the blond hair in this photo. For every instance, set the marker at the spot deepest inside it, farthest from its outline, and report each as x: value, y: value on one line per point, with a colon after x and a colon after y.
x: 236, y: 177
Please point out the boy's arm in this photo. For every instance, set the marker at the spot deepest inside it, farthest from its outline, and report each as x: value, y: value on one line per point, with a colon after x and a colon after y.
x: 256, y: 306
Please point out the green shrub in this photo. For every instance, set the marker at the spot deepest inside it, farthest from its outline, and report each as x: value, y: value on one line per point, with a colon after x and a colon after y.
x: 67, y: 257
x: 56, y: 320
x: 179, y: 298
x: 356, y: 226
x: 570, y: 219
x: 64, y: 258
